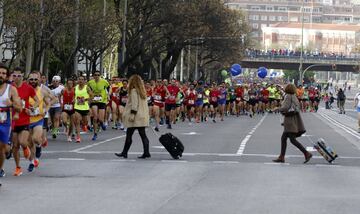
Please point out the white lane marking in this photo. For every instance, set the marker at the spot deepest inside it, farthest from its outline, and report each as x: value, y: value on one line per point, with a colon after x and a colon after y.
x: 342, y: 126
x: 174, y: 161
x: 310, y: 149
x: 327, y: 165
x: 123, y: 160
x: 158, y: 147
x: 191, y: 133
x: 226, y: 162
x: 97, y: 144
x: 273, y: 163
x: 71, y: 159
x: 247, y: 138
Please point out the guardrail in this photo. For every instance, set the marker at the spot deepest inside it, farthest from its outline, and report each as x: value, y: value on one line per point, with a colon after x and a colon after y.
x: 307, y: 59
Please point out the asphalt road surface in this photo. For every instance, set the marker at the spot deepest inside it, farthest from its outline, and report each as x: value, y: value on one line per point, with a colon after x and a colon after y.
x: 226, y: 168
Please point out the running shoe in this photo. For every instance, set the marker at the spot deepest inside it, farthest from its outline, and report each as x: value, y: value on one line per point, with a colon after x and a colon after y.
x: 103, y: 126
x: 157, y: 129
x: 36, y: 163
x: 31, y: 167
x: 78, y: 140
x: 26, y: 152
x: 18, y: 171
x: 69, y: 139
x: 169, y: 126
x: 2, y: 173
x: 94, y: 137
x: 84, y: 128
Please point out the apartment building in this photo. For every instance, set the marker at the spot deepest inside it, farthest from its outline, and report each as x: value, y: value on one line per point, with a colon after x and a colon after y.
x: 264, y: 13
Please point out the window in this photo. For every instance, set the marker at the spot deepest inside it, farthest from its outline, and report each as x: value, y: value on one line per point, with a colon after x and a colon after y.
x: 269, y: 8
x: 272, y: 18
x: 347, y: 19
x: 282, y: 9
x: 282, y: 18
x: 294, y: 19
x: 255, y: 8
x: 255, y: 26
x: 264, y: 18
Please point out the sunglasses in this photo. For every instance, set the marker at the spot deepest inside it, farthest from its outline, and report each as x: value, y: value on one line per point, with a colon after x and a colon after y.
x: 33, y: 80
x: 17, y: 75
x: 96, y: 74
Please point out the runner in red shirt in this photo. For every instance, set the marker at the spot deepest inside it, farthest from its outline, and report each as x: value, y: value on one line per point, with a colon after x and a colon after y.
x: 265, y: 99
x: 67, y: 107
x: 170, y: 103
x: 239, y: 91
x: 190, y: 98
x: 159, y: 93
x: 21, y: 129
x: 214, y: 96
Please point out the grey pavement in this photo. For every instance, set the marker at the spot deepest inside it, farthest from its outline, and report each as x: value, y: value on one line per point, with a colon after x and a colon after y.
x: 226, y: 168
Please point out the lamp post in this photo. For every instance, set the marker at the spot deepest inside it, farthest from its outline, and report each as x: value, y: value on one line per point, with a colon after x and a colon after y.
x: 302, y: 45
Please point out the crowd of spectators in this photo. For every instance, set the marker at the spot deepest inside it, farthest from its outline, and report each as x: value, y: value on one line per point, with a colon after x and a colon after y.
x: 292, y: 53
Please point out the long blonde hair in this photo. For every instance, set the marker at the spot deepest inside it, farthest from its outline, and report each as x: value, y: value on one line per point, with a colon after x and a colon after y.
x: 136, y: 82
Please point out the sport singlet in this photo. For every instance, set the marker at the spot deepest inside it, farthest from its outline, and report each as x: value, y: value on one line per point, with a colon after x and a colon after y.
x: 37, y: 114
x: 81, y: 97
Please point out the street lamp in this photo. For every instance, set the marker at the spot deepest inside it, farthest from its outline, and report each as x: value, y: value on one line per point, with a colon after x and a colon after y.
x: 302, y: 45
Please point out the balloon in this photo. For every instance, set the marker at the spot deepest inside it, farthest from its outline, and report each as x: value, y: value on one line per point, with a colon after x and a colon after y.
x: 228, y: 80
x: 262, y: 72
x: 224, y: 73
x: 235, y: 69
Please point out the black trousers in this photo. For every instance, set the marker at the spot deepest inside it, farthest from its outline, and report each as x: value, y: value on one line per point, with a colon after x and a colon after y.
x: 128, y: 141
x: 293, y: 140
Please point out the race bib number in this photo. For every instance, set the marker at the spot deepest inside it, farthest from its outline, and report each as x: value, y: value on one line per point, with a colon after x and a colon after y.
x: 171, y: 97
x: 124, y: 99
x: 80, y: 101
x: 97, y: 98
x: 115, y: 94
x: 34, y: 112
x: 199, y: 96
x: 214, y: 99
x: 191, y: 102
x: 3, y: 117
x: 222, y: 96
x: 148, y: 99
x: 238, y: 98
x: 68, y: 107
x: 157, y: 97
x: 23, y: 103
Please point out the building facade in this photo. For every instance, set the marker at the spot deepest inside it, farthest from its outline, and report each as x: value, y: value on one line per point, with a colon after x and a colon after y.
x: 325, y: 38
x: 264, y: 13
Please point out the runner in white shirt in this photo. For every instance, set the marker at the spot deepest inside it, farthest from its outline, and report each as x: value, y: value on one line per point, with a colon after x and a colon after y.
x: 55, y: 110
x: 357, y: 107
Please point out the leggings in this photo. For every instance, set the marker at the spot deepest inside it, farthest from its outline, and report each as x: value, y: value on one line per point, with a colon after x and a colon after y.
x: 144, y: 139
x: 293, y: 140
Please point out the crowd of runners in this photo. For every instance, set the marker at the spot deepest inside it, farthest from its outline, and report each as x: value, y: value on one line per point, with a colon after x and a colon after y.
x: 29, y: 107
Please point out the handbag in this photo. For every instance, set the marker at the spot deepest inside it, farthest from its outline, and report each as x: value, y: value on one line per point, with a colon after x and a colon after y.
x: 291, y: 111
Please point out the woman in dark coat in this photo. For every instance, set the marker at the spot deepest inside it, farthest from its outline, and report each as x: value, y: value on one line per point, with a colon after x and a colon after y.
x: 293, y: 124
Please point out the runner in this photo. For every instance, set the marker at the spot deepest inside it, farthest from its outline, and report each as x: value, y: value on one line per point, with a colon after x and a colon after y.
x: 9, y: 100
x: 191, y: 97
x: 199, y: 103
x: 170, y: 102
x: 67, y: 106
x: 222, y: 100
x: 37, y: 117
x: 55, y: 109
x: 20, y: 133
x: 123, y: 93
x: 357, y: 107
x: 214, y: 96
x: 99, y: 87
x: 83, y: 95
x: 158, y: 97
x: 115, y: 101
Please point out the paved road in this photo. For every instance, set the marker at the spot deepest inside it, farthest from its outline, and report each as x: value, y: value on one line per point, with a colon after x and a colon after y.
x: 226, y: 168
